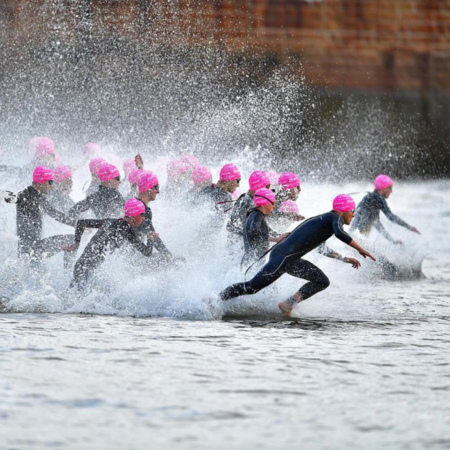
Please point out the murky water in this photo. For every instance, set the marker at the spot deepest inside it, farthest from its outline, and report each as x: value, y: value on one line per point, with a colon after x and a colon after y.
x: 365, y: 364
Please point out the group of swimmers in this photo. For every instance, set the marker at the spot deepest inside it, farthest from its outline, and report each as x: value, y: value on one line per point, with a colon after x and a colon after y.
x: 252, y: 219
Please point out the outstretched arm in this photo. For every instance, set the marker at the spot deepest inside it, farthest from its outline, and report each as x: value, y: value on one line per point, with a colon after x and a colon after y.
x: 59, y: 216
x: 396, y: 219
x: 361, y: 251
x: 329, y: 253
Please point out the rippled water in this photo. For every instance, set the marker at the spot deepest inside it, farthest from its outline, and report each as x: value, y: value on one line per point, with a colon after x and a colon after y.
x: 365, y: 365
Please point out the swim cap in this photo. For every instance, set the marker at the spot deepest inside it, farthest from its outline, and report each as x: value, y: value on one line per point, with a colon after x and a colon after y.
x: 288, y: 180
x: 177, y: 167
x: 229, y: 172
x: 147, y: 180
x: 190, y: 160
x: 95, y: 164
x: 134, y: 207
x: 258, y: 180
x: 264, y: 197
x: 44, y: 147
x: 57, y: 160
x: 128, y: 166
x: 90, y: 150
x: 343, y: 203
x: 383, y: 182
x: 107, y: 172
x: 62, y: 173
x: 42, y: 174
x: 273, y: 177
x: 134, y: 175
x: 200, y: 174
x: 289, y: 207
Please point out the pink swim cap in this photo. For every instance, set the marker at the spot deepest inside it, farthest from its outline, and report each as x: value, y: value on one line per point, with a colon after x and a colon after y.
x: 44, y: 147
x: 107, y: 172
x: 343, y: 203
x: 289, y: 207
x: 258, y: 180
x: 134, y: 175
x: 128, y: 166
x: 288, y: 180
x: 200, y: 174
x: 177, y: 167
x: 147, y: 180
x: 383, y: 182
x: 62, y: 173
x: 42, y: 174
x: 134, y: 207
x: 264, y: 197
x: 229, y: 172
x: 95, y: 164
x: 190, y: 160
x: 90, y: 150
x: 273, y: 177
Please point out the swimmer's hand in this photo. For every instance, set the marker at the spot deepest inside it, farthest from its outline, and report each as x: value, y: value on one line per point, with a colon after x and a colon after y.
x: 299, y: 217
x: 281, y: 237
x: 139, y: 161
x: 415, y: 230
x: 8, y: 196
x: 71, y: 248
x: 153, y: 236
x: 354, y: 262
x: 366, y: 254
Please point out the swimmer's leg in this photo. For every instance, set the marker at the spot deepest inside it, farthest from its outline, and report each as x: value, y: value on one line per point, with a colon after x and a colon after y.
x: 318, y: 281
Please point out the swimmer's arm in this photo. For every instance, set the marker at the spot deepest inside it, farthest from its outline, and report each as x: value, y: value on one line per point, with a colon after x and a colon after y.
x: 88, y: 223
x: 394, y: 218
x: 328, y: 252
x: 339, y: 232
x: 80, y: 207
x: 360, y: 250
x: 146, y: 250
x: 380, y: 228
x: 57, y: 215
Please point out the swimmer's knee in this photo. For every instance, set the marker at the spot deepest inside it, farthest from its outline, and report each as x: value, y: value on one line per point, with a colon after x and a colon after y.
x: 324, y: 282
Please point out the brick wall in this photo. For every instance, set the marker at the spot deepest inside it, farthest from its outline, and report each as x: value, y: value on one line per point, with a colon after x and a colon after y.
x: 368, y: 45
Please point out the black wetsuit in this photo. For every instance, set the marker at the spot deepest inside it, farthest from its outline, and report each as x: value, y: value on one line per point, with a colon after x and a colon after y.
x: 221, y: 200
x: 256, y: 236
x: 60, y: 200
x: 30, y: 207
x: 286, y: 257
x: 239, y: 214
x: 105, y: 202
x: 147, y: 227
x: 112, y: 235
x: 93, y: 188
x: 367, y: 216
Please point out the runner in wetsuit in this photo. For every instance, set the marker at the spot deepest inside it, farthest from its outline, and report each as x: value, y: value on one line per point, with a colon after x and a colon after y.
x: 107, y: 201
x: 257, y: 234
x: 202, y: 178
x: 220, y: 194
x: 244, y: 203
x: 367, y: 214
x: 111, y: 238
x: 133, y: 177
x: 94, y: 166
x: 59, y: 195
x: 148, y: 190
x: 30, y: 205
x: 286, y: 257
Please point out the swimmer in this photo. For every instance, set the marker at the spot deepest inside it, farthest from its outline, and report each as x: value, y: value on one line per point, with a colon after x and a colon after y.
x: 30, y: 205
x: 367, y: 214
x: 107, y: 201
x: 256, y: 233
x: 286, y: 257
x: 94, y: 165
x: 133, y: 177
x: 245, y: 202
x: 107, y: 239
x: 202, y: 178
x: 178, y: 177
x: 59, y: 195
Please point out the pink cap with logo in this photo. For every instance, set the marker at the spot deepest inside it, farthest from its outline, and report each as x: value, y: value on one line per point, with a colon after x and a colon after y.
x: 229, y: 172
x: 200, y: 174
x: 258, y: 180
x: 62, y: 173
x: 90, y: 150
x: 134, y: 175
x: 42, y: 174
x: 134, y: 207
x: 107, y: 172
x: 147, y: 180
x: 383, y: 182
x: 177, y: 167
x: 190, y: 160
x: 288, y: 180
x: 95, y: 164
x: 343, y: 203
x: 264, y: 197
x: 289, y: 207
x: 273, y: 177
x: 44, y: 147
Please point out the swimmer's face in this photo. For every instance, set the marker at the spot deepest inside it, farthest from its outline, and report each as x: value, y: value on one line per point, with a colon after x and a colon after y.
x: 294, y: 193
x: 138, y: 220
x: 348, y: 216
x: 387, y: 192
x: 152, y: 193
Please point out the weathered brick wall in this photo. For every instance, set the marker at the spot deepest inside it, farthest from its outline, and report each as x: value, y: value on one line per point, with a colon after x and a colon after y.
x: 368, y: 45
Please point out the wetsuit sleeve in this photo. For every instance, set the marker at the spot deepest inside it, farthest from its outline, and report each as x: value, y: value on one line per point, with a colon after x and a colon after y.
x: 392, y: 217
x: 339, y: 231
x: 256, y: 226
x: 146, y: 250
x: 80, y: 207
x: 161, y: 247
x: 87, y: 223
x: 59, y: 216
x: 380, y: 228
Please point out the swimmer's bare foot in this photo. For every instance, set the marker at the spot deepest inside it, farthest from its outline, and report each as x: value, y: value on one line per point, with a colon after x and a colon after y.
x: 286, y: 308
